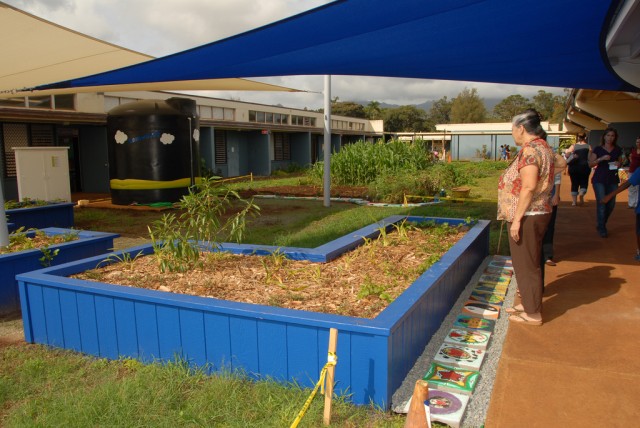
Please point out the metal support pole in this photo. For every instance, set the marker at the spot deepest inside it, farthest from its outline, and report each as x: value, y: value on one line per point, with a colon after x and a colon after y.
x: 327, y: 142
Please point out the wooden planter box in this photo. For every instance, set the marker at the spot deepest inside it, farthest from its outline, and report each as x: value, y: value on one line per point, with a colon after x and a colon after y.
x: 460, y: 192
x: 52, y: 215
x: 374, y: 355
x: 88, y: 244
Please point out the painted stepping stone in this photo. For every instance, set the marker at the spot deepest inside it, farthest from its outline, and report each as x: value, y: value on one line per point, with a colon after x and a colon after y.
x: 495, y: 279
x: 452, y: 379
x: 447, y: 407
x: 491, y: 288
x: 487, y: 297
x: 444, y: 407
x: 501, y: 264
x: 498, y: 271
x: 473, y: 339
x: 473, y: 323
x: 481, y: 310
x: 460, y: 356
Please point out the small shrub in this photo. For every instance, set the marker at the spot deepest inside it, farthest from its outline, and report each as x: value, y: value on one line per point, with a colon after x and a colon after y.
x: 292, y: 168
x: 176, y: 239
x: 392, y: 188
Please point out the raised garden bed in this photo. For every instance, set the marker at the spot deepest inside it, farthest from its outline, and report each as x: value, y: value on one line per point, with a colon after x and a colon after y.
x: 41, y: 216
x: 374, y: 355
x: 87, y: 244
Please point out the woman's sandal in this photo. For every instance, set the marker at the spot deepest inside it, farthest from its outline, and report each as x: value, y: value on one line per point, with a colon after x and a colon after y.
x: 513, y: 310
x: 518, y: 318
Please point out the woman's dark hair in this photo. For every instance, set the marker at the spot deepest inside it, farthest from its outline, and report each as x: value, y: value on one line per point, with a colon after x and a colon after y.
x: 530, y: 119
x: 582, y: 136
x: 606, y: 131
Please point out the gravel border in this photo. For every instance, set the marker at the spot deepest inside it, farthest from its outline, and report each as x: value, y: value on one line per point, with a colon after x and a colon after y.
x: 476, y: 411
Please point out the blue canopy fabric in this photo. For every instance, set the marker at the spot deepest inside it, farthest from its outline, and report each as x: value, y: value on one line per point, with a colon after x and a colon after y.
x: 557, y: 43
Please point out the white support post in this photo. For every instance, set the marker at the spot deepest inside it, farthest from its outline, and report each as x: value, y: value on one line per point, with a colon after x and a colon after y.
x: 327, y: 142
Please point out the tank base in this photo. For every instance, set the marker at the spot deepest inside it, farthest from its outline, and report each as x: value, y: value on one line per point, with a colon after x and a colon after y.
x: 147, y: 196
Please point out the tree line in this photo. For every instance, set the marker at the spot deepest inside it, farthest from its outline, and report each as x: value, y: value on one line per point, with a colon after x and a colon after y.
x: 466, y: 107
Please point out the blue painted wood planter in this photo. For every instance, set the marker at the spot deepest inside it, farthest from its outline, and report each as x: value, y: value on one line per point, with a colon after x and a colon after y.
x: 52, y: 215
x: 88, y: 244
x: 374, y: 355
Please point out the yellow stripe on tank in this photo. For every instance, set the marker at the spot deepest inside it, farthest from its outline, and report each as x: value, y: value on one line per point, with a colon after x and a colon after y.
x: 135, y: 184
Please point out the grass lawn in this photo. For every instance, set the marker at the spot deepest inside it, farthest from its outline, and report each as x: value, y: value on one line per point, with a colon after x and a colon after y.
x: 46, y: 387
x: 40, y: 386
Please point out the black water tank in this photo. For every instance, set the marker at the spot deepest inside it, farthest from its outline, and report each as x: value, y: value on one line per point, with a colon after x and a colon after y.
x: 154, y: 151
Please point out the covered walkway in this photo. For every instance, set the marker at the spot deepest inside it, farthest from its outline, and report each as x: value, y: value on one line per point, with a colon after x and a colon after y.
x: 582, y: 367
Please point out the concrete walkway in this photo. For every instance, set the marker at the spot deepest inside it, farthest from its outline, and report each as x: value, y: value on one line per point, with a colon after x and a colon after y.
x: 582, y: 367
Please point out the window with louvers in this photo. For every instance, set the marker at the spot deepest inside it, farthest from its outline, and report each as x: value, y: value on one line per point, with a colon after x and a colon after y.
x: 281, y: 147
x: 42, y: 135
x: 220, y: 147
x: 13, y: 135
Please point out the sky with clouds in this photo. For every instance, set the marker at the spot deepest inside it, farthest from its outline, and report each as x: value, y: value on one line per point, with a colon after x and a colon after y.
x: 163, y: 27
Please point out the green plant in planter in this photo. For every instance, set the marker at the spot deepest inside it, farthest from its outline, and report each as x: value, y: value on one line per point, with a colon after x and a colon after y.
x: 21, y: 240
x: 47, y: 255
x: 27, y: 202
x: 124, y: 259
x: 370, y: 288
x: 175, y: 238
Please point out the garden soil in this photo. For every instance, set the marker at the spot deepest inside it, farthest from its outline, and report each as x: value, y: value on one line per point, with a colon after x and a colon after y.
x: 309, y: 191
x: 360, y: 283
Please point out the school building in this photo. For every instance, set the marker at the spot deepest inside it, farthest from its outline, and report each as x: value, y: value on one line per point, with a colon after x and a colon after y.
x: 236, y: 138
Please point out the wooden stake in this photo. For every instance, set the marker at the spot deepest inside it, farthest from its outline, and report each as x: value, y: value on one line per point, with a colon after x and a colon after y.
x: 417, y: 416
x: 328, y: 389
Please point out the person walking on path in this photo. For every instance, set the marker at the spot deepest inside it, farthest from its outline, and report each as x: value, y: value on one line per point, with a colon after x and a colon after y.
x: 579, y: 170
x: 547, y: 242
x: 524, y: 202
x: 634, y: 163
x: 606, y: 158
x: 634, y: 180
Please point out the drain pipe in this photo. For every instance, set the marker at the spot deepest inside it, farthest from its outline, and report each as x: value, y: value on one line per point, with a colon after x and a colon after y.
x: 192, y: 173
x: 4, y: 229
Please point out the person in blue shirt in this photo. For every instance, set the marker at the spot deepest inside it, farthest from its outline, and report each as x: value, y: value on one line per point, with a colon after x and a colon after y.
x: 634, y: 180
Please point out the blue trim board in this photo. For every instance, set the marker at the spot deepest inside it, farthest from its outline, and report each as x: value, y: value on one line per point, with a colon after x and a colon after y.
x: 55, y: 214
x: 11, y: 264
x: 374, y: 354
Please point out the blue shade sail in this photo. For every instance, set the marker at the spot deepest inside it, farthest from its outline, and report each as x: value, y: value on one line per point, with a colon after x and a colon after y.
x: 556, y: 43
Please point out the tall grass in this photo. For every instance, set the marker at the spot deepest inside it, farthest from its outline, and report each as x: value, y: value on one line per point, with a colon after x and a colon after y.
x: 361, y: 163
x: 391, y: 170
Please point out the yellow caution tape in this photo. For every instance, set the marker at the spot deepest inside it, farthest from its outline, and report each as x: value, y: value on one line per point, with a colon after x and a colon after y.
x: 239, y: 177
x: 332, y: 360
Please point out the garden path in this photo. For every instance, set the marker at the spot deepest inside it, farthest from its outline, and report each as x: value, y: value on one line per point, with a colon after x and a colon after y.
x: 582, y: 367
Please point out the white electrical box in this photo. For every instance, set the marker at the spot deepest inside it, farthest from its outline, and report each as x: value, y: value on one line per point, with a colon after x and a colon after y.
x: 43, y: 173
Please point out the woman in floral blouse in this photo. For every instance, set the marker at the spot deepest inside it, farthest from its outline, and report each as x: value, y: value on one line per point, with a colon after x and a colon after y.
x: 524, y: 202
